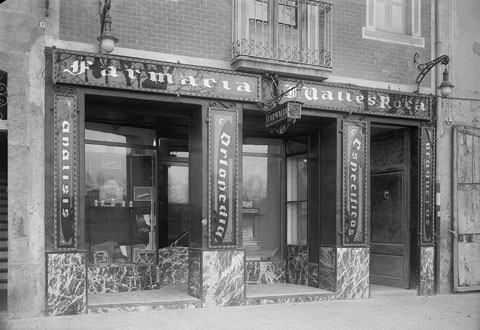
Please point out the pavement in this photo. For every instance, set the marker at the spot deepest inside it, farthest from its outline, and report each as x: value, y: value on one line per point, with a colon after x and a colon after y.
x: 439, y: 312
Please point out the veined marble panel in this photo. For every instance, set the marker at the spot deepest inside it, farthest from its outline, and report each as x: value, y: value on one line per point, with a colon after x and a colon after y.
x: 352, y: 273
x: 427, y: 271
x: 296, y: 264
x: 66, y: 284
x: 223, y: 278
x: 143, y: 307
x: 194, y: 278
x: 288, y: 300
x: 327, y: 275
x: 122, y: 278
x: 312, y: 274
x: 173, y: 265
x: 265, y: 272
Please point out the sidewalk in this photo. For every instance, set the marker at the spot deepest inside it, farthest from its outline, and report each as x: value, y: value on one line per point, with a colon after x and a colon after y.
x: 441, y: 312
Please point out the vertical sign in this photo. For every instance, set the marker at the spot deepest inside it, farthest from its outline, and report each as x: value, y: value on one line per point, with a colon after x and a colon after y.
x: 3, y: 94
x: 223, y: 177
x: 65, y: 215
x: 427, y: 185
x: 354, y: 183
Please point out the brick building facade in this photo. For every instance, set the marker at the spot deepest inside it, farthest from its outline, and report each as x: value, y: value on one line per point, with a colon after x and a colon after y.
x: 155, y: 166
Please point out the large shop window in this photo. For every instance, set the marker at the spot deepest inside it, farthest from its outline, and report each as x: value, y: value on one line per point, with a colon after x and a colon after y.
x: 263, y: 168
x: 394, y: 21
x: 120, y: 194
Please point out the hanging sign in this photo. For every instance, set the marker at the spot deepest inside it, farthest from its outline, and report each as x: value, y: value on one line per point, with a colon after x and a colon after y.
x: 223, y: 177
x: 65, y: 121
x: 359, y: 100
x: 354, y: 183
x: 427, y: 186
x: 160, y: 77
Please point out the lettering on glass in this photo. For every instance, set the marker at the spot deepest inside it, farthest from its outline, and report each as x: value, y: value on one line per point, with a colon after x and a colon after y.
x: 223, y: 153
x: 354, y: 183
x: 427, y: 186
x: 65, y: 185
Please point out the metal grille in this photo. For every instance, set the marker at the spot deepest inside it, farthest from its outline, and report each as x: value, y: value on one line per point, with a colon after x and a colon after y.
x: 294, y: 31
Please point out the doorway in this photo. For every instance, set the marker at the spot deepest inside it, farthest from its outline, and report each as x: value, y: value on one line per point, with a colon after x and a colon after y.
x: 392, y: 179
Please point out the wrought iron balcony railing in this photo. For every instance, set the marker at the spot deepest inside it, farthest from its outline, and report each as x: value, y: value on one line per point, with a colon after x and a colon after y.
x: 290, y: 31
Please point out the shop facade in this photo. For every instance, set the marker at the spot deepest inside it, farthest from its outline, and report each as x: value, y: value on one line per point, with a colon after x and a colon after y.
x: 167, y: 174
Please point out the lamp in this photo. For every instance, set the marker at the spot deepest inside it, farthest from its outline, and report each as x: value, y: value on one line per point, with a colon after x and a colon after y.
x: 445, y: 87
x: 106, y: 39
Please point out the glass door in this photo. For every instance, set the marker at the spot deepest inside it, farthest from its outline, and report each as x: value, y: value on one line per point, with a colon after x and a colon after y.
x: 120, y: 194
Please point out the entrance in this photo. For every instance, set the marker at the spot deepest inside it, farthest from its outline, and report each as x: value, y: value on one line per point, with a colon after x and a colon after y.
x: 390, y: 177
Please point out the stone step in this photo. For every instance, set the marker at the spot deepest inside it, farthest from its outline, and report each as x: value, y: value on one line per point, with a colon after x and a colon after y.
x: 3, y: 235
x: 4, y: 255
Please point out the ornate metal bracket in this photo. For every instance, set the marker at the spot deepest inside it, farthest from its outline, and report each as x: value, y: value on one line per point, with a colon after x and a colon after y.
x: 276, y: 93
x: 424, y: 68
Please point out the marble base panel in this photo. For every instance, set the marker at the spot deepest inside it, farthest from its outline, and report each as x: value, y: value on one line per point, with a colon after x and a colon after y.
x: 288, y: 300
x: 143, y: 307
x: 173, y: 265
x: 296, y: 264
x: 345, y: 271
x: 312, y: 279
x: 122, y: 278
x: 327, y: 276
x: 265, y: 272
x: 220, y: 275
x: 66, y: 284
x: 427, y: 271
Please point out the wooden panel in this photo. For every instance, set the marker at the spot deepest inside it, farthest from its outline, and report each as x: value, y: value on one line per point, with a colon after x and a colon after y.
x: 466, y: 206
x: 465, y: 150
x: 468, y: 264
x: 476, y: 159
x: 468, y: 210
x: 386, y: 200
x: 387, y: 265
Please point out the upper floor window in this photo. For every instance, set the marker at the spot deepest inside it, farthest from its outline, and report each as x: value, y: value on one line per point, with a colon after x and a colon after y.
x: 394, y: 21
x: 292, y: 31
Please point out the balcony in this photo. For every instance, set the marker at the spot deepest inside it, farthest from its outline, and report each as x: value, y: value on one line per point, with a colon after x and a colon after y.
x: 292, y: 38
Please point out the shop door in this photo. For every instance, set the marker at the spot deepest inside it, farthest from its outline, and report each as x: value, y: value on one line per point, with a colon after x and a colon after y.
x: 390, y: 216
x: 466, y: 208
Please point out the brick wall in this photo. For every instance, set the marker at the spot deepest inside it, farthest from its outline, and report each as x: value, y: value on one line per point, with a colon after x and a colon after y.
x: 200, y: 28
x: 203, y: 28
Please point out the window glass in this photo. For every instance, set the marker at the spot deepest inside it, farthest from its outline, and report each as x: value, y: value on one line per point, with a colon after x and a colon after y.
x: 297, y: 199
x: 262, y: 201
x: 119, y: 202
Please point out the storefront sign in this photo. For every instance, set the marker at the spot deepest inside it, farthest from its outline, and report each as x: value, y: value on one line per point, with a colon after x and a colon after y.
x: 354, y: 182
x: 162, y: 77
x: 65, y: 172
x: 357, y: 100
x: 223, y: 194
x: 284, y: 113
x: 427, y: 177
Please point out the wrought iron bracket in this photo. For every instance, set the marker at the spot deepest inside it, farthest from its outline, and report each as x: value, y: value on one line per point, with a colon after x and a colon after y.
x: 276, y: 93
x: 424, y: 68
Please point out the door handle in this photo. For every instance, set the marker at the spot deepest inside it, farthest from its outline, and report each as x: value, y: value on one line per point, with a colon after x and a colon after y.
x: 453, y: 232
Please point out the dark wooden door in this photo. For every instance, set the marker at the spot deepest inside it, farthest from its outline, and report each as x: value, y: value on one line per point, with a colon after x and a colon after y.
x: 390, y: 209
x: 389, y: 264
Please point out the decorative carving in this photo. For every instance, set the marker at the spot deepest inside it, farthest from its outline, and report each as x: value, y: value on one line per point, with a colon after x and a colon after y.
x: 387, y: 152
